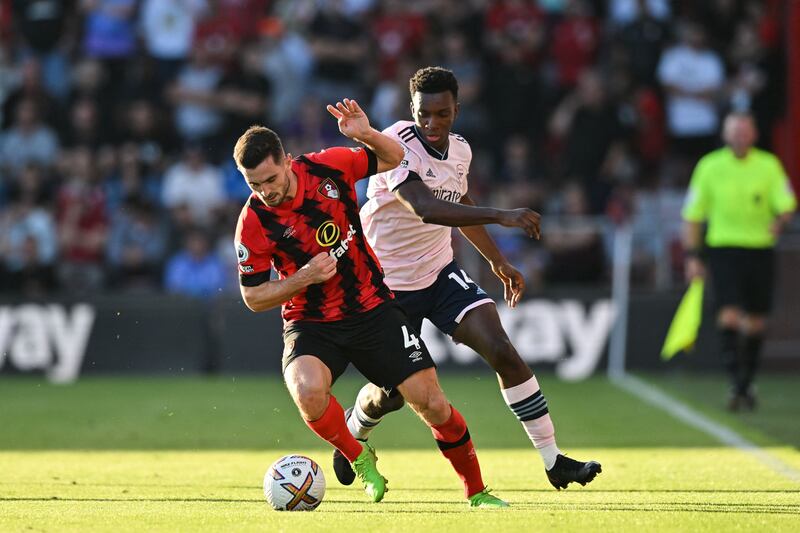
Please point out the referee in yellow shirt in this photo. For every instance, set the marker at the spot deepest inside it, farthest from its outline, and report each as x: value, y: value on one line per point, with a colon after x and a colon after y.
x: 743, y: 195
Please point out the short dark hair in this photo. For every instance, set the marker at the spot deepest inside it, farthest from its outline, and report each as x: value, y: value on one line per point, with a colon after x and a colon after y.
x: 430, y: 80
x: 255, y: 145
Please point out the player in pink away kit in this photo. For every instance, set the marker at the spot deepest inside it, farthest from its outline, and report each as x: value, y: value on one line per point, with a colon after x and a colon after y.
x: 407, y: 220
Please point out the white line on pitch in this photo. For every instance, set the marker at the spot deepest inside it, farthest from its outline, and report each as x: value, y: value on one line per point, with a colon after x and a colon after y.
x: 689, y: 416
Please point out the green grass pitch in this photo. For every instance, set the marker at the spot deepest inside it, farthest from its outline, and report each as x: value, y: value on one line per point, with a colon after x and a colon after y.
x: 189, y: 454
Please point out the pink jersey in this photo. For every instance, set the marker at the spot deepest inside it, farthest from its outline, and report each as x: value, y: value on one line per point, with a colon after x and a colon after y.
x: 411, y: 252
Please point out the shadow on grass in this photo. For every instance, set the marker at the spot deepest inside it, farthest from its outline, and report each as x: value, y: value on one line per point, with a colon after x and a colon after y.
x: 389, y: 506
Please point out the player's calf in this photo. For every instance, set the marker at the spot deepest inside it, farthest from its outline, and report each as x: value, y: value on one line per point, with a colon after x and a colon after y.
x: 425, y: 396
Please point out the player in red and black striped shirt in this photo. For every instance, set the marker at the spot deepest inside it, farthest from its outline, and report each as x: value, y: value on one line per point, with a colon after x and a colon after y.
x: 302, y: 220
x: 322, y: 217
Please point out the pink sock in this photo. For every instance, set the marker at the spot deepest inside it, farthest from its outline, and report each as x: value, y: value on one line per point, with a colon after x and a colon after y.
x: 530, y: 406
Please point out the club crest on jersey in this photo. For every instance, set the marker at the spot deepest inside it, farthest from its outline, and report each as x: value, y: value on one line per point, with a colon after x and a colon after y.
x: 328, y: 234
x: 242, y: 252
x: 329, y: 189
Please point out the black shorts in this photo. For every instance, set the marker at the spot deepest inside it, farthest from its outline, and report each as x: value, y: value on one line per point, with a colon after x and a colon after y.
x: 742, y: 278
x: 445, y: 302
x: 381, y: 343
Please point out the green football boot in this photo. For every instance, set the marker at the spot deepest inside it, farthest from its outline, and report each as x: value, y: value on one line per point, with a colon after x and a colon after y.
x: 484, y: 500
x: 365, y: 468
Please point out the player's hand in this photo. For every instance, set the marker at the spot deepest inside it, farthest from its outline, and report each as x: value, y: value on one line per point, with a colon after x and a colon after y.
x: 694, y: 268
x: 353, y: 122
x: 513, y: 282
x: 321, y: 268
x: 530, y: 221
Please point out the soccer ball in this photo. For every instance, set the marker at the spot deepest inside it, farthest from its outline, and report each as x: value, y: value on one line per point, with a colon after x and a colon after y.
x: 294, y: 483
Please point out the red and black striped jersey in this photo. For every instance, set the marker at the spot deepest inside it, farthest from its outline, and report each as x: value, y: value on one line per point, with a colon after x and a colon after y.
x: 322, y: 217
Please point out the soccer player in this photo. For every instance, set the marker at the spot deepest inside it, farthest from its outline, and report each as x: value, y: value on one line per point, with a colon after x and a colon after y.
x: 745, y: 197
x: 302, y: 221
x: 407, y: 219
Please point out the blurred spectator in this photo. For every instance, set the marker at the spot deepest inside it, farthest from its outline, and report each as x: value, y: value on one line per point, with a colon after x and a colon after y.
x: 720, y: 19
x: 244, y: 94
x: 310, y: 129
x: 8, y: 81
x: 692, y: 75
x: 109, y: 34
x: 195, y: 183
x: 288, y: 64
x: 195, y: 270
x: 227, y: 24
x: 45, y: 27
x: 757, y: 80
x: 136, y: 246
x: 168, y: 28
x: 197, y: 117
x: 643, y: 39
x: 149, y: 132
x: 109, y: 31
x: 236, y: 189
x: 467, y: 67
x: 588, y: 127
x: 82, y: 225
x: 131, y: 178
x: 649, y: 140
x: 574, y: 244
x: 517, y: 24
x: 574, y: 42
x: 28, y: 243
x: 517, y: 162
x: 515, y: 98
x: 390, y: 101
x: 621, y: 12
x: 399, y: 35
x: 31, y: 88
x: 28, y: 140
x: 83, y: 127
x: 339, y: 46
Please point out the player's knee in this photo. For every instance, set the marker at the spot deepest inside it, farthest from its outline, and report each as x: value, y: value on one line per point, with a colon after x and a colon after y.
x: 434, y: 407
x: 377, y: 403
x: 311, y: 399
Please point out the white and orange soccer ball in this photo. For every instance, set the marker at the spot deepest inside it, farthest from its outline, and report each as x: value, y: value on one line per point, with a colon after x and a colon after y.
x: 294, y: 483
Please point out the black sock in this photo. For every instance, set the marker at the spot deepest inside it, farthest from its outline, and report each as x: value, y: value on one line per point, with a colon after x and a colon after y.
x: 751, y: 356
x: 729, y: 349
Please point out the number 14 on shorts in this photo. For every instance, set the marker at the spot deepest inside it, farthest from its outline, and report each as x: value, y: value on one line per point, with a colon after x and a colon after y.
x: 461, y: 281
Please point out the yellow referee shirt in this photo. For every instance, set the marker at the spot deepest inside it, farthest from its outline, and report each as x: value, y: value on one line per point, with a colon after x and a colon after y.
x: 739, y: 198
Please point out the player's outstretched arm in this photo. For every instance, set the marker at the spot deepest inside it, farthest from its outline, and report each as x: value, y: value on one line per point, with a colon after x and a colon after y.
x: 418, y: 198
x: 354, y: 124
x: 513, y: 280
x: 271, y: 294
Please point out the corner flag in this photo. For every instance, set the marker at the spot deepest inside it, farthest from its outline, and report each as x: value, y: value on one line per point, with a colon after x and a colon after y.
x: 682, y: 332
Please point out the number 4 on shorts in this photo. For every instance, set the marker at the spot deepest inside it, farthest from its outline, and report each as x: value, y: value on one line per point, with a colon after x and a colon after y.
x: 410, y: 340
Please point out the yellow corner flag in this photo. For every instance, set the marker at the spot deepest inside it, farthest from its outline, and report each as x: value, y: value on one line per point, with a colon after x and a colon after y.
x: 683, y: 331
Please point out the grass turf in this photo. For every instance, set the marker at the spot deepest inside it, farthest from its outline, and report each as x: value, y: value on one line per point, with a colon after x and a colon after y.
x: 189, y: 454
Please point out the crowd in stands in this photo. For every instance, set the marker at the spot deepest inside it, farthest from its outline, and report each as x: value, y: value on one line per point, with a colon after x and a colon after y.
x: 118, y: 117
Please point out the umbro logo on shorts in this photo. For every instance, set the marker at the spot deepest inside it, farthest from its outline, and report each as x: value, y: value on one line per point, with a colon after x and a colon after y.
x: 415, y: 356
